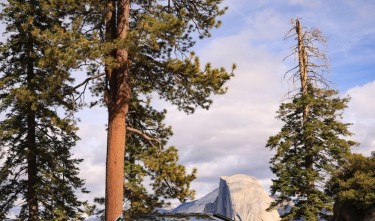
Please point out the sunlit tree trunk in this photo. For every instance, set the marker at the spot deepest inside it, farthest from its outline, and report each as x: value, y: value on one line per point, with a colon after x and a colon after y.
x: 118, y: 104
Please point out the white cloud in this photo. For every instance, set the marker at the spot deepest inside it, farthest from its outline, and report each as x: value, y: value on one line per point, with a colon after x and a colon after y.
x: 92, y: 148
x: 361, y: 113
x: 230, y: 138
x: 360, y: 105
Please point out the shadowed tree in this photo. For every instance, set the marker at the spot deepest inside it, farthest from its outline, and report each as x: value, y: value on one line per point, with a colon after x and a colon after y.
x: 37, y: 171
x: 353, y: 187
x: 311, y: 144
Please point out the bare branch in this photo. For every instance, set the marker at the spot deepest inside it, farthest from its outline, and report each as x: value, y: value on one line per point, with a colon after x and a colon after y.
x: 290, y: 33
x: 89, y: 79
x: 290, y: 70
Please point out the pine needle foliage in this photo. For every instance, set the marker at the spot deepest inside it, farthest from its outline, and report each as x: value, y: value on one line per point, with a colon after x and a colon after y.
x: 37, y: 170
x: 159, y: 41
x: 311, y: 144
x: 353, y: 185
x: 147, y: 159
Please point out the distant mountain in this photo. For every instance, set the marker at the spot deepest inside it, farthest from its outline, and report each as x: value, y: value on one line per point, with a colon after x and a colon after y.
x: 239, y: 197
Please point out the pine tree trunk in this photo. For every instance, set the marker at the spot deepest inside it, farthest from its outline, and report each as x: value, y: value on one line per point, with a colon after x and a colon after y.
x: 115, y: 162
x: 302, y: 62
x: 118, y: 104
x: 32, y: 171
x: 302, y: 59
x: 32, y: 168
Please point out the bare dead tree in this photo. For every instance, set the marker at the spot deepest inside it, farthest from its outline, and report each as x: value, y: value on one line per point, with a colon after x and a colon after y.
x: 312, y: 61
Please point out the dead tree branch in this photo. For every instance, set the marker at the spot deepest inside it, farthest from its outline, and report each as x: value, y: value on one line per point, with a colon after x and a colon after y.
x: 88, y: 79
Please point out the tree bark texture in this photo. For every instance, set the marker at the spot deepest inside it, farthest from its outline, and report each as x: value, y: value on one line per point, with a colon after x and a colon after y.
x: 302, y: 60
x: 304, y: 78
x: 119, y: 95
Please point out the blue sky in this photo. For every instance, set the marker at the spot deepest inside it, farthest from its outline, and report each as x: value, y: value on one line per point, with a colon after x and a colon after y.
x: 348, y: 26
x: 230, y: 138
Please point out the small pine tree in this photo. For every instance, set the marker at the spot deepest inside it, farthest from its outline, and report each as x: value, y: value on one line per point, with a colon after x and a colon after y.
x: 38, y: 130
x: 311, y: 144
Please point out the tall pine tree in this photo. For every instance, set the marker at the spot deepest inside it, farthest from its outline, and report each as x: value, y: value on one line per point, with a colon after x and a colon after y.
x: 37, y: 170
x: 147, y: 49
x: 311, y: 144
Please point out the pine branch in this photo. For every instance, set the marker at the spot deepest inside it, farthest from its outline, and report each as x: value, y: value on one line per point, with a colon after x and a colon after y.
x: 145, y: 136
x: 169, y: 186
x: 88, y: 79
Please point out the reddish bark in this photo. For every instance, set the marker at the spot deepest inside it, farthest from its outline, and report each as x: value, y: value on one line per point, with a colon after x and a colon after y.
x: 118, y: 104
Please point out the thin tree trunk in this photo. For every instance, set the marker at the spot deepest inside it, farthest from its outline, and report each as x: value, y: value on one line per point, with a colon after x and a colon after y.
x: 302, y: 62
x: 32, y: 170
x: 302, y: 59
x: 118, y: 104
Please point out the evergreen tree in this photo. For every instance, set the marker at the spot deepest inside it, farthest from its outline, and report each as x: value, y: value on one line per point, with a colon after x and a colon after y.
x: 38, y: 130
x: 311, y: 144
x: 145, y: 49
